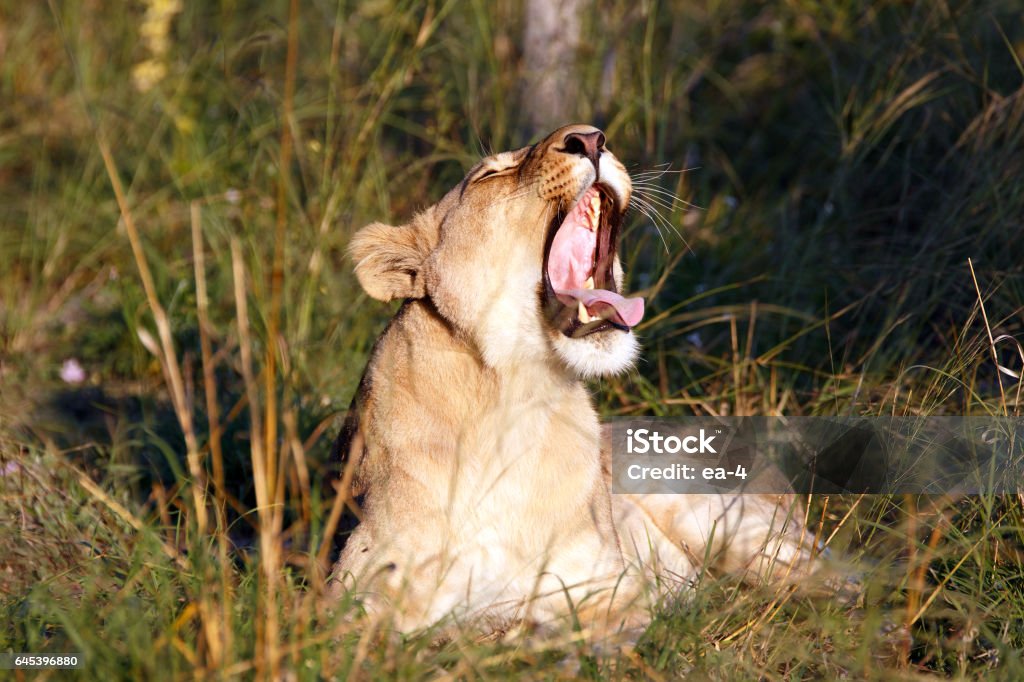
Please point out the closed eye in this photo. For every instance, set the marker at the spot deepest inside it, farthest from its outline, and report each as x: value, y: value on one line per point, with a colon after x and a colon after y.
x: 491, y: 172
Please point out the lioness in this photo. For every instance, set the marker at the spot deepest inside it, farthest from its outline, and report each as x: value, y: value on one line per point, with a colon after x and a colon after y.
x: 472, y: 443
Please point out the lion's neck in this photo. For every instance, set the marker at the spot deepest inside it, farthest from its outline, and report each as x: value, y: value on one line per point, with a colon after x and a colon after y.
x: 443, y: 368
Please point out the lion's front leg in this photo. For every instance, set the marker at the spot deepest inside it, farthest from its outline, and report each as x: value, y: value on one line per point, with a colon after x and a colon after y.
x: 405, y: 566
x: 587, y: 586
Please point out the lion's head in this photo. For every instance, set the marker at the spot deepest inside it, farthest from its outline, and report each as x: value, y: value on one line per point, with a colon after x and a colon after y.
x: 521, y: 256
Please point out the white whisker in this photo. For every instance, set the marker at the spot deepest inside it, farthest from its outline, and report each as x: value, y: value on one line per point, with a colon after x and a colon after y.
x: 655, y: 199
x: 657, y: 228
x: 649, y: 193
x: 660, y: 220
x: 655, y: 214
x: 660, y: 170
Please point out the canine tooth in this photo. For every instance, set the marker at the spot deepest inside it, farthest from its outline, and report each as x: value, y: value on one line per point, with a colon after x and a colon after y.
x: 593, y: 212
x: 589, y: 284
x: 583, y: 314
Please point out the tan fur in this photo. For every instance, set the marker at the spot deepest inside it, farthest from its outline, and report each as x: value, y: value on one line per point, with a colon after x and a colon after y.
x: 476, y: 445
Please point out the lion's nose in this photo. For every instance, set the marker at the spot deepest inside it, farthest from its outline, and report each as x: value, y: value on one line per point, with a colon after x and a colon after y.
x: 588, y: 145
x: 585, y: 144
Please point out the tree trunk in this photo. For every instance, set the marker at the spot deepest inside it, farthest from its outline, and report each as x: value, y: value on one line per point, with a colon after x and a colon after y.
x: 551, y: 42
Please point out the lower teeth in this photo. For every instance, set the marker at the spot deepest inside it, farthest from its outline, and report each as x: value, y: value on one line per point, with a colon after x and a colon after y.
x: 584, y: 314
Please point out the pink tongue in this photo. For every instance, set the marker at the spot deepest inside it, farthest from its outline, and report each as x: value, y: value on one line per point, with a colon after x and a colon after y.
x: 571, y: 258
x: 627, y: 311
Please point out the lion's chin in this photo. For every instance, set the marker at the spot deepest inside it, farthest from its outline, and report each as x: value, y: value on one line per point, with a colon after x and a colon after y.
x: 602, y: 354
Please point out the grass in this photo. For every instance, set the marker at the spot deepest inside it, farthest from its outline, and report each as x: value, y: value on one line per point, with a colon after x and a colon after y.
x: 855, y: 172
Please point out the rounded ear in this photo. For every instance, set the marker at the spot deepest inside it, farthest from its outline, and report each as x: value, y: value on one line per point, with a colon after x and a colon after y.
x: 388, y: 258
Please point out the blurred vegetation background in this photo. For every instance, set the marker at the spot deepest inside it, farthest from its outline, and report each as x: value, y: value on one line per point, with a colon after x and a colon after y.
x: 834, y: 191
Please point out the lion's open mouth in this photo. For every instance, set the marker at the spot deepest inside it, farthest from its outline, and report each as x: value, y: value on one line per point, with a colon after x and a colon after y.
x: 580, y: 291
